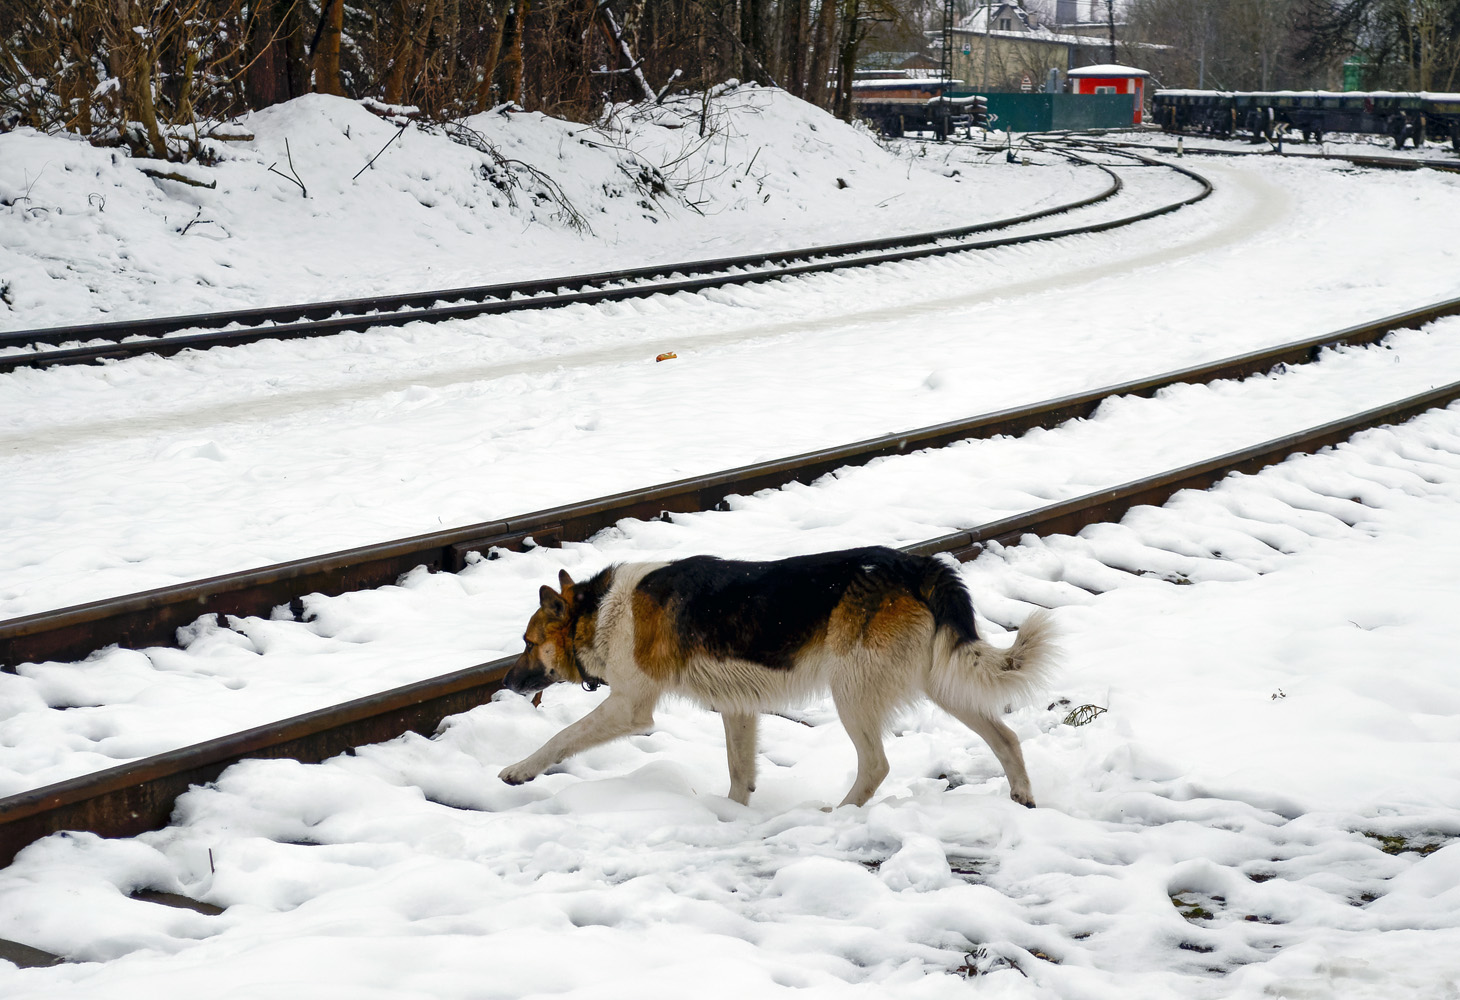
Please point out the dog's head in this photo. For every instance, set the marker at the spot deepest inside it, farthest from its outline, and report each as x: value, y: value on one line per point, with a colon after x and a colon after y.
x: 549, y: 655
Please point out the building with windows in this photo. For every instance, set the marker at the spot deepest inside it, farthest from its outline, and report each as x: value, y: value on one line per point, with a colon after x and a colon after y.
x: 1001, y: 47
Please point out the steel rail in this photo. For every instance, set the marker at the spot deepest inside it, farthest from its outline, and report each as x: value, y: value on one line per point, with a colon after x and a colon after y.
x: 1357, y: 159
x: 554, y: 299
x: 153, y: 617
x: 411, y: 305
x: 132, y: 798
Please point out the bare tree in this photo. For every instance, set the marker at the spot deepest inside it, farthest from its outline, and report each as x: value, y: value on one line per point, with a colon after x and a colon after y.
x: 1405, y: 44
x: 1224, y: 44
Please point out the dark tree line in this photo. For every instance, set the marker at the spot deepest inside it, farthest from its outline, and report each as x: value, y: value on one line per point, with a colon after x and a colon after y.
x: 142, y: 72
x: 1297, y: 44
x: 150, y: 73
x: 1404, y: 44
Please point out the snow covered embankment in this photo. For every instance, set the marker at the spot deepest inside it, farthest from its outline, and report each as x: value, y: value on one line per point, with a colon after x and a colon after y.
x: 328, y: 200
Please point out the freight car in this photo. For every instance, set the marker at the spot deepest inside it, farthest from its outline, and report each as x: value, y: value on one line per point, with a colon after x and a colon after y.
x: 1403, y: 117
x: 895, y: 113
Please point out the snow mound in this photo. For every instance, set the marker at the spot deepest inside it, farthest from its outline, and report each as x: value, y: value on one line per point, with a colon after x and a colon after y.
x: 323, y: 198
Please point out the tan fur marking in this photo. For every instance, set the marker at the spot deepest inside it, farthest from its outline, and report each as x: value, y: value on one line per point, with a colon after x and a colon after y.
x: 843, y: 630
x: 585, y: 630
x: 857, y: 623
x: 657, y: 651
x: 535, y: 631
x: 899, y: 616
x: 562, y: 639
x: 554, y: 640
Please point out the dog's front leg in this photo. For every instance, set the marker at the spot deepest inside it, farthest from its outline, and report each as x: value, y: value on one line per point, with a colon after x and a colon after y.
x: 740, y: 734
x: 619, y: 715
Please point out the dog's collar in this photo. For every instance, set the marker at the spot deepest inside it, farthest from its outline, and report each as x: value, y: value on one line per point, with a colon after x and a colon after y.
x: 589, y: 681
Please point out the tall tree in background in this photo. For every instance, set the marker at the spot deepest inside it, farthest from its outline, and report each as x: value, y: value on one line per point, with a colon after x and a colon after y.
x: 1404, y: 44
x: 327, y: 48
x: 1223, y: 44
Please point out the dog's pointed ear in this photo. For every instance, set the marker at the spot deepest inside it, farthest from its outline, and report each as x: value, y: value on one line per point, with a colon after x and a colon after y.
x: 553, y: 604
x: 565, y: 584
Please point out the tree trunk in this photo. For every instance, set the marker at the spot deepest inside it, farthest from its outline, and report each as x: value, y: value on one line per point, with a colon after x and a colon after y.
x: 753, y: 55
x: 485, y: 86
x: 821, y: 53
x: 133, y: 63
x: 512, y: 61
x: 623, y: 55
x: 327, y: 53
x: 847, y: 60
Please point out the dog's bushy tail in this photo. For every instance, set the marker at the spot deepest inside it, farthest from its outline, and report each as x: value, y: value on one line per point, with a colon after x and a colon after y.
x: 991, y: 679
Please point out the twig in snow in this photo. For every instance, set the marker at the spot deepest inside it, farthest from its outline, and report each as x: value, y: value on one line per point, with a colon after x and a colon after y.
x: 198, y: 217
x: 399, y: 132
x: 172, y: 175
x: 504, y: 170
x: 303, y: 191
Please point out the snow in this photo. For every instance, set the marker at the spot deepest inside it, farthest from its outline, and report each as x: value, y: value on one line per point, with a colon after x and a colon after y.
x: 1108, y: 69
x: 1275, y: 656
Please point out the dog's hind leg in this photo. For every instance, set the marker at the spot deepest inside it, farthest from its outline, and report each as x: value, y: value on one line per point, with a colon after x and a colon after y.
x: 863, y: 722
x: 619, y: 715
x: 1005, y: 745
x: 740, y: 735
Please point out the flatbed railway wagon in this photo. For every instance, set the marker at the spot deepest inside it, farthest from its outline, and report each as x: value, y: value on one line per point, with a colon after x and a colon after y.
x: 1403, y: 117
x: 898, y: 106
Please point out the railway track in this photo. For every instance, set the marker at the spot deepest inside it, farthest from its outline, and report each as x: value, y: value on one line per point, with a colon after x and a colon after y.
x: 134, y: 797
x: 152, y: 617
x: 1172, y: 149
x: 98, y: 342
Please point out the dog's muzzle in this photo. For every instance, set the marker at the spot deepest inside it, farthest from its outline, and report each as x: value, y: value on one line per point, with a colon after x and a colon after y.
x: 524, y: 678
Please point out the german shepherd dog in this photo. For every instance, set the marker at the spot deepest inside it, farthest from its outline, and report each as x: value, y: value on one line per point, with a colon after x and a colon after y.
x: 876, y: 627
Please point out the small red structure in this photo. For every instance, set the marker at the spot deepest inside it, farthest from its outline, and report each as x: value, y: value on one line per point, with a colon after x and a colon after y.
x: 1111, y: 79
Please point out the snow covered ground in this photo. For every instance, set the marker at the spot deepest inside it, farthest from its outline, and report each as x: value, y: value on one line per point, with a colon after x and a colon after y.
x: 1216, y: 832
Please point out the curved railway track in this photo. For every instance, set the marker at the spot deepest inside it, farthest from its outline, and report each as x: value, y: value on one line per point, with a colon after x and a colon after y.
x: 1104, y: 145
x: 138, y: 796
x: 165, y: 336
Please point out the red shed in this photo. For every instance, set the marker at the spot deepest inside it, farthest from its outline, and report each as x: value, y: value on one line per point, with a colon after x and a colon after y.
x: 1111, y: 79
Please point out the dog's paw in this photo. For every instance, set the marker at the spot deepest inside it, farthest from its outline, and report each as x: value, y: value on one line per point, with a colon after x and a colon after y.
x: 517, y: 774
x: 1025, y: 799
